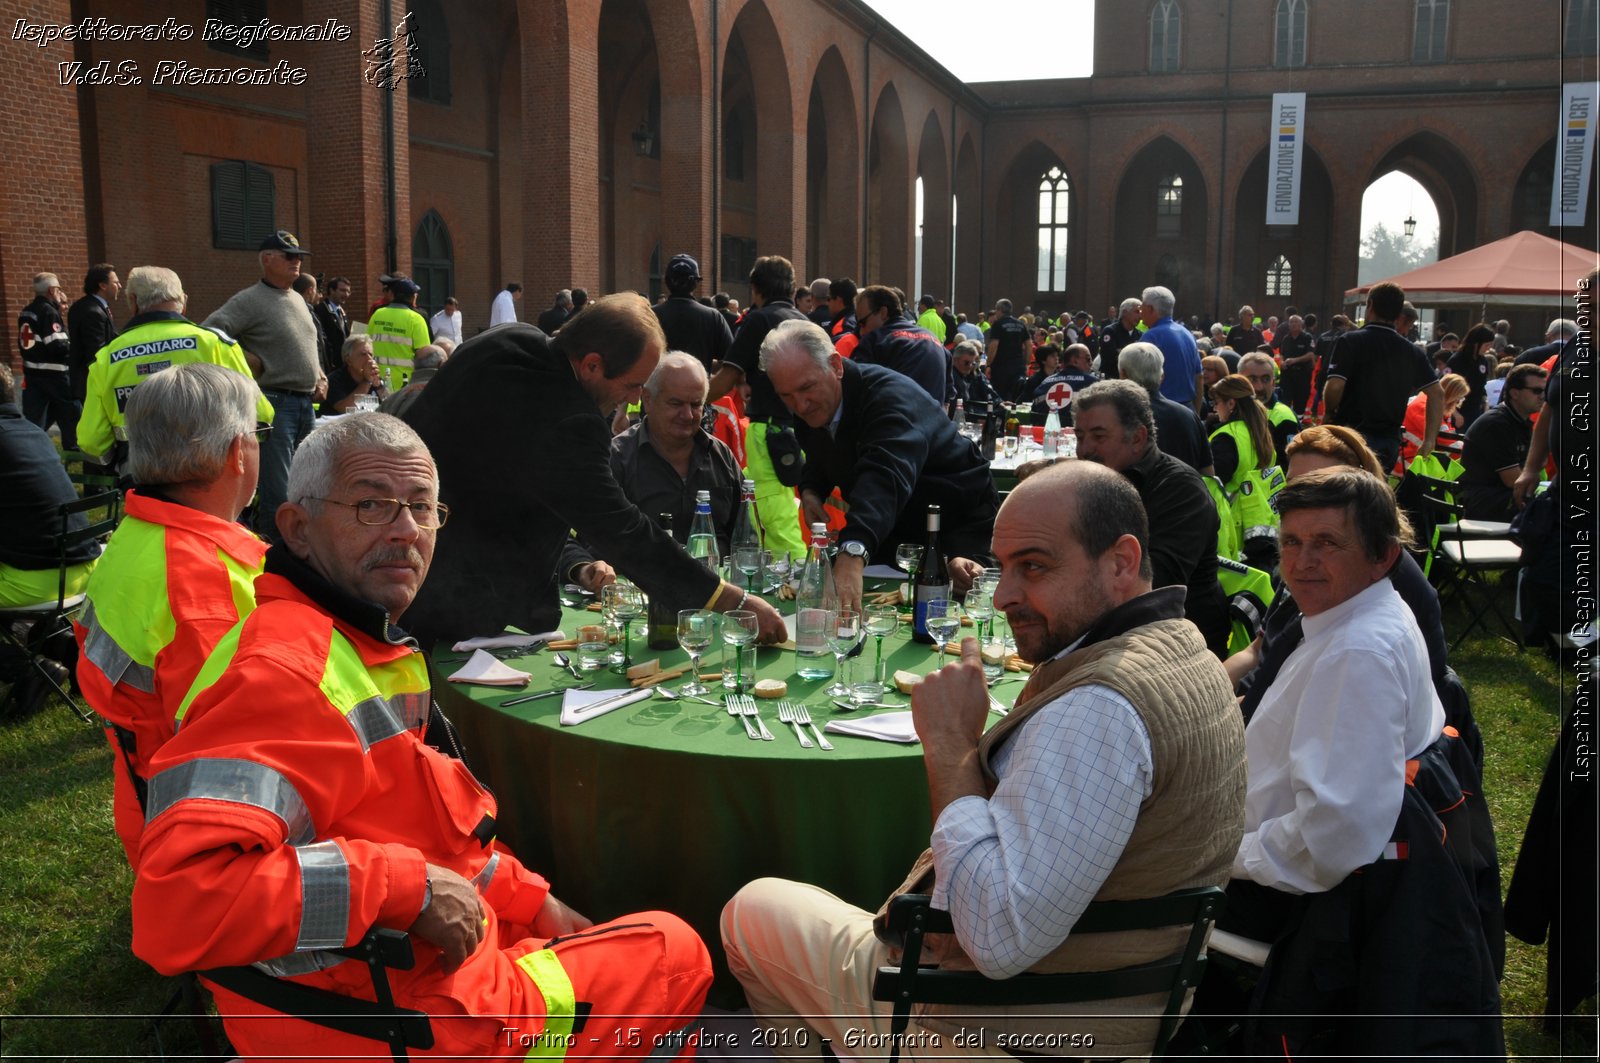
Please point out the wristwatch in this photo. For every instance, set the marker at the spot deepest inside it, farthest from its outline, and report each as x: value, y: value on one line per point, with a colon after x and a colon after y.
x: 854, y: 549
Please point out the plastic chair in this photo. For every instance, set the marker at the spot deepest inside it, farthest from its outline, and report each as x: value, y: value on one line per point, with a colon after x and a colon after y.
x: 913, y: 916
x: 1472, y: 549
x: 49, y: 620
x: 377, y: 1020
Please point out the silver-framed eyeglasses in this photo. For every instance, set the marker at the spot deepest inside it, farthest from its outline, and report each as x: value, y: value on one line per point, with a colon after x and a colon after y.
x: 381, y: 511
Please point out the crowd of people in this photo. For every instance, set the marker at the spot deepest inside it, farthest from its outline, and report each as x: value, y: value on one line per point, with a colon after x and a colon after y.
x: 1168, y: 736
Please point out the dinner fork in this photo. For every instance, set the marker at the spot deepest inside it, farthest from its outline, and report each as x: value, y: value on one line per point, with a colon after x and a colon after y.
x: 748, y: 705
x: 732, y: 701
x: 786, y: 714
x: 803, y: 715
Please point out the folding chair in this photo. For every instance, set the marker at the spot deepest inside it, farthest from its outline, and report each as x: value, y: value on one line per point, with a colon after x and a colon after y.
x: 914, y: 917
x: 49, y: 620
x: 1472, y: 548
x: 377, y: 1020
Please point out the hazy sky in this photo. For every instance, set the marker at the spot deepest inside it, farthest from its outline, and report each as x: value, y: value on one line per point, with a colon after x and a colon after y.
x: 1014, y: 40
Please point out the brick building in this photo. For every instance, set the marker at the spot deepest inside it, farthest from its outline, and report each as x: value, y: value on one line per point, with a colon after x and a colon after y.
x: 584, y: 142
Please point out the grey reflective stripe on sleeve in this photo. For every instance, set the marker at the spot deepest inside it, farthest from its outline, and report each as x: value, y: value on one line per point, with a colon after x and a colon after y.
x: 299, y: 963
x: 242, y: 782
x: 112, y: 660
x: 1261, y: 531
x: 324, y: 896
x: 375, y: 719
x: 482, y: 879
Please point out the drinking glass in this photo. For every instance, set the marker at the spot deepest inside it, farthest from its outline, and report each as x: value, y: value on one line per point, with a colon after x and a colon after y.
x: 696, y: 629
x: 594, y: 647
x: 1009, y: 446
x: 980, y: 606
x: 908, y: 556
x: 881, y: 620
x: 844, y: 634
x: 988, y: 581
x: 624, y: 603
x: 943, y: 621
x: 739, y: 629
x: 997, y: 647
x: 747, y: 559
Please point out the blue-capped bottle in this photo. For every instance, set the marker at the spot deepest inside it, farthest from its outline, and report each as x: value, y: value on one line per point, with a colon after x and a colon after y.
x: 702, y: 545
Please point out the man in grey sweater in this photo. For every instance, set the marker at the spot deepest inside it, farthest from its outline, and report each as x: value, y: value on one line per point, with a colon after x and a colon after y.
x: 275, y: 327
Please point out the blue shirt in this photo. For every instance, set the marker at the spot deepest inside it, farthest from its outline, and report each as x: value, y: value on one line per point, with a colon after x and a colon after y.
x: 1180, y: 357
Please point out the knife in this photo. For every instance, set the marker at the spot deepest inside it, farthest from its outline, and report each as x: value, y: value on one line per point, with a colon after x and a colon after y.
x: 545, y: 694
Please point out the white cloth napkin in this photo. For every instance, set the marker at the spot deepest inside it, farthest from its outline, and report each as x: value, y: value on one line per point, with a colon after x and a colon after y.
x: 507, y: 641
x: 487, y: 670
x: 885, y: 726
x: 882, y: 572
x: 581, y: 706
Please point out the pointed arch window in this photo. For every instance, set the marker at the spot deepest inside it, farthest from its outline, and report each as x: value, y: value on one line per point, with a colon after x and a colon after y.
x: 1054, y: 193
x: 1431, y: 28
x: 1165, y: 36
x: 433, y: 262
x: 1290, y: 35
x: 1280, y: 277
x: 1169, y: 208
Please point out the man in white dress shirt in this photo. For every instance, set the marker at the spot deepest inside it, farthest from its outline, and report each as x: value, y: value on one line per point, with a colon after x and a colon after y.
x: 446, y: 324
x: 1119, y: 774
x: 504, y: 308
x: 1329, y: 743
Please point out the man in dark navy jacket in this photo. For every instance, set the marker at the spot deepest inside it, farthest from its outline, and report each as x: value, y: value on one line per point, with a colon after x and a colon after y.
x: 891, y: 339
x: 888, y: 448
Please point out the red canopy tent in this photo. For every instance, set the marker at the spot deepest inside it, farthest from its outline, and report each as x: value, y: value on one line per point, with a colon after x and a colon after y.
x: 1522, y: 270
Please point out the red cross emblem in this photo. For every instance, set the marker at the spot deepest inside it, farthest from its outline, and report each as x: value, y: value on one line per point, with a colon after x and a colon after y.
x: 1058, y: 395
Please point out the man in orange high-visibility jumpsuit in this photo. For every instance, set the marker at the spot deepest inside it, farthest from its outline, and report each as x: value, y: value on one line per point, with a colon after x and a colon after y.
x: 298, y: 806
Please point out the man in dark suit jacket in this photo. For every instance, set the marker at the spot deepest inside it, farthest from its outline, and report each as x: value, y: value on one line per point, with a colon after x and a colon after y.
x: 332, y: 322
x: 89, y: 323
x: 878, y: 437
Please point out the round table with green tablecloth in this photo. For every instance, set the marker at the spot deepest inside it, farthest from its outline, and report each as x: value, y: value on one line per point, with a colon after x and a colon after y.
x: 667, y: 804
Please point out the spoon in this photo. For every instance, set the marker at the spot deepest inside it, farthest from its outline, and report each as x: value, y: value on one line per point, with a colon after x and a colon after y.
x: 561, y: 660
x: 673, y: 695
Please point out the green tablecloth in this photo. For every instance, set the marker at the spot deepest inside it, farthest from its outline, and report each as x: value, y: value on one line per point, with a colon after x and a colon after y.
x: 667, y: 804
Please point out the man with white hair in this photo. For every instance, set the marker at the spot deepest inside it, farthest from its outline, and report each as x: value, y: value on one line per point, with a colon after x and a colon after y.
x: 1121, y: 332
x: 179, y: 571
x: 888, y: 447
x: 1180, y: 378
x: 1179, y: 430
x: 157, y: 337
x: 425, y: 363
x: 1557, y: 337
x: 664, y: 461
x: 820, y: 312
x: 279, y: 337
x: 358, y: 377
x: 47, y: 361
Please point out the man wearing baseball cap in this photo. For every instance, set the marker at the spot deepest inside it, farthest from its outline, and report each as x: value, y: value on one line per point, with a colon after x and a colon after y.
x: 279, y: 336
x: 397, y: 332
x: 691, y: 326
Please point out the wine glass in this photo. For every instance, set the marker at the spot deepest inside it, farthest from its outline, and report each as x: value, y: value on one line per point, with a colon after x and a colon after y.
x: 624, y: 603
x: 881, y: 620
x: 908, y: 556
x: 980, y: 606
x: 696, y: 628
x: 739, y: 629
x: 843, y: 635
x: 943, y: 621
x: 747, y: 559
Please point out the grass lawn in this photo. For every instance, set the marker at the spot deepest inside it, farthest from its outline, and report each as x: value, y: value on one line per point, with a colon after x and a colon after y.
x: 70, y: 987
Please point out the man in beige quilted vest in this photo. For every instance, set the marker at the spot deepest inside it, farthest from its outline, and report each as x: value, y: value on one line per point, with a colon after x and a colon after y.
x: 1119, y: 774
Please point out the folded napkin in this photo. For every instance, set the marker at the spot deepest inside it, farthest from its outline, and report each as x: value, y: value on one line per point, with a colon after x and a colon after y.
x: 886, y: 727
x: 882, y: 572
x: 581, y: 706
x: 506, y: 641
x: 487, y: 670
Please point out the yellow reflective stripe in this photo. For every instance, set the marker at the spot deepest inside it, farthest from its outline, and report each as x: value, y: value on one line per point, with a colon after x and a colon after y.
x: 544, y: 969
x: 211, y: 671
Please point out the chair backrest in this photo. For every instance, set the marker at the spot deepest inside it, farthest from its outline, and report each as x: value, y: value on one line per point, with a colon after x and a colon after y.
x: 1440, y: 508
x: 1175, y: 975
x: 68, y: 537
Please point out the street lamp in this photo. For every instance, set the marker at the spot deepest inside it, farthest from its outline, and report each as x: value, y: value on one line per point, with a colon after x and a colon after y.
x: 1411, y: 224
x: 644, y: 139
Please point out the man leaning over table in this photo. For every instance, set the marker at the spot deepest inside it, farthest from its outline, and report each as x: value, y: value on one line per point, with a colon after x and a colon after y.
x: 890, y: 450
x: 271, y: 835
x: 1119, y: 774
x: 518, y: 422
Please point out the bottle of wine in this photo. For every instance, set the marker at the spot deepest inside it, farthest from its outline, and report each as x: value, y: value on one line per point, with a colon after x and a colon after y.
x: 991, y: 432
x: 703, y: 534
x: 745, y: 546
x: 933, y: 580
x: 815, y: 598
x: 663, y: 619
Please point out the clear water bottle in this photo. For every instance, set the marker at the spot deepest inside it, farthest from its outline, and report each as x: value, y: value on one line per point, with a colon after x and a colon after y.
x: 702, y: 533
x: 814, y: 601
x: 1052, y: 434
